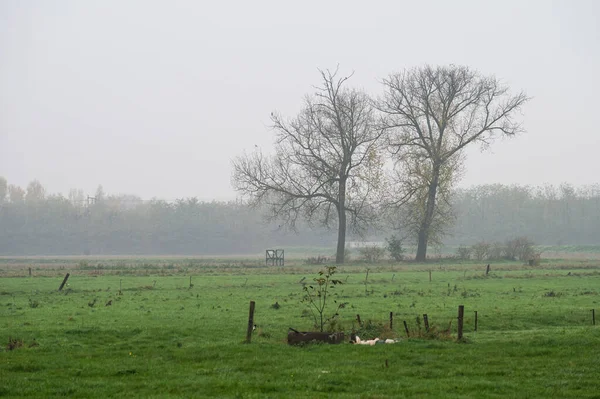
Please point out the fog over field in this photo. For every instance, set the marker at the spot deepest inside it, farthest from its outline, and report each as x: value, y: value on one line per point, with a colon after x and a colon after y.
x: 142, y: 103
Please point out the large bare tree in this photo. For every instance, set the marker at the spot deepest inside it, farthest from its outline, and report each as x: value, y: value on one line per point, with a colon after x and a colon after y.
x: 433, y: 113
x: 326, y: 165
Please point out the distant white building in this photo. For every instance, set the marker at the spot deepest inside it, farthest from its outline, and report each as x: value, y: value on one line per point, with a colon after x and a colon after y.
x: 362, y: 244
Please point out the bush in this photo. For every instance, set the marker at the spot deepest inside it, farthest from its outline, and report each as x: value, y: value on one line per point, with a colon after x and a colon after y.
x: 520, y: 248
x: 535, y: 261
x: 463, y: 253
x: 316, y: 260
x: 394, y: 247
x: 372, y: 253
x: 373, y: 329
x: 496, y: 251
x: 481, y: 250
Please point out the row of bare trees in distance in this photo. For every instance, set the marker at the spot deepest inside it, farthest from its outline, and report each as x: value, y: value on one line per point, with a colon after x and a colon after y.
x: 35, y: 222
x: 348, y: 160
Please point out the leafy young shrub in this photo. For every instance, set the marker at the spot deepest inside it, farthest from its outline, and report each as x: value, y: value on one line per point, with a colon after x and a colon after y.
x: 394, y: 247
x: 463, y: 253
x: 372, y: 253
x: 317, y: 295
x: 481, y: 250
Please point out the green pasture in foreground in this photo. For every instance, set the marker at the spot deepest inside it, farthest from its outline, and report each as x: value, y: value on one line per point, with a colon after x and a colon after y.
x: 161, y: 337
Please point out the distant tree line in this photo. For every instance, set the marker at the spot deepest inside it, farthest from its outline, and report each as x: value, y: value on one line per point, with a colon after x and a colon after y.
x: 33, y: 222
x: 551, y: 215
x: 40, y: 224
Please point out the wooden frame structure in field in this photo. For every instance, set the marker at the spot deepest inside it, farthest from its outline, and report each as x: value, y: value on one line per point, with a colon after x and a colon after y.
x: 275, y: 257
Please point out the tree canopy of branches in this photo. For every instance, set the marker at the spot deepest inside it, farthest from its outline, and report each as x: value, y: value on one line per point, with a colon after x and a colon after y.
x: 126, y: 224
x: 433, y: 113
x: 326, y: 165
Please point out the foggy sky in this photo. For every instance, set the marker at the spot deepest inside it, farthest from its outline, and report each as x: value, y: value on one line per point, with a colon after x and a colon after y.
x: 154, y: 98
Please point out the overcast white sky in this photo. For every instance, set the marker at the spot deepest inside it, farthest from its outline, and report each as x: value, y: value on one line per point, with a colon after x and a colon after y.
x: 154, y: 98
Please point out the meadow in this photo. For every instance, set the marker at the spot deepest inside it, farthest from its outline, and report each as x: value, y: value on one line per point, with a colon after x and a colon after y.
x: 176, y: 327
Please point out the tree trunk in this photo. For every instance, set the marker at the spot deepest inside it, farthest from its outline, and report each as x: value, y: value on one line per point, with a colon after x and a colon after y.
x: 422, y: 245
x: 341, y: 209
x: 423, y: 237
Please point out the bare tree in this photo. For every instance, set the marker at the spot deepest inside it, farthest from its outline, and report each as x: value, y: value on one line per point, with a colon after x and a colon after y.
x: 435, y: 112
x: 326, y: 164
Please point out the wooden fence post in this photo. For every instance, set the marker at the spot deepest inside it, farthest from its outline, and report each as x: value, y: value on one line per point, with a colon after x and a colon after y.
x: 30, y: 272
x: 406, y: 329
x: 391, y: 320
x: 487, y: 270
x: 358, y: 319
x: 475, y: 321
x: 250, y: 322
x: 64, y: 282
x: 593, y: 317
x: 430, y: 276
x: 461, y: 313
x: 426, y: 321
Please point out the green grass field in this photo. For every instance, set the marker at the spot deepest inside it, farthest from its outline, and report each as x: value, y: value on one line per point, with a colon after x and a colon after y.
x: 163, y: 336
